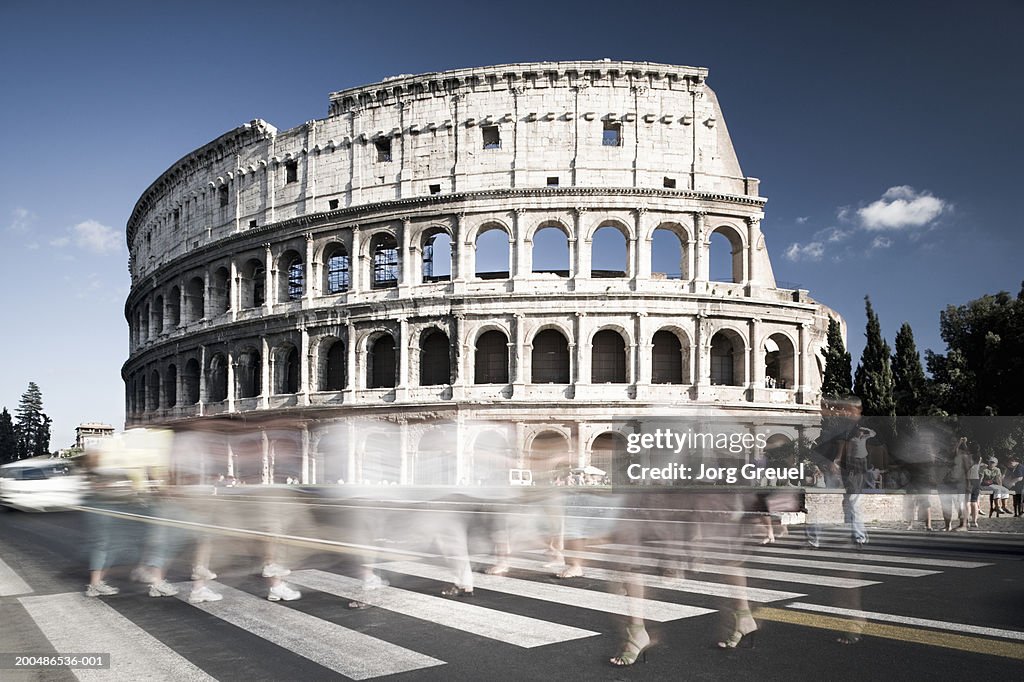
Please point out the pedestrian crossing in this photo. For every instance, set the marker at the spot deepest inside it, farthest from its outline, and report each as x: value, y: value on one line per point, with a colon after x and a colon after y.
x: 337, y: 641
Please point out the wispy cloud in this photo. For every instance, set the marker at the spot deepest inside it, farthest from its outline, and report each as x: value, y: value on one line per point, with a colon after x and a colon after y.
x: 881, y: 242
x: 901, y: 207
x: 21, y: 220
x: 802, y: 219
x: 833, y: 235
x: 812, y: 251
x: 91, y: 235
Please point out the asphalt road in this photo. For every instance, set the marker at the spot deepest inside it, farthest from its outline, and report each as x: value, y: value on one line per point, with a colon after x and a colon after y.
x: 931, y: 606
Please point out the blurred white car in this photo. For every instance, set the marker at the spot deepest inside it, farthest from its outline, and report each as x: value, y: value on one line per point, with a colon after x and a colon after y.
x: 41, y: 484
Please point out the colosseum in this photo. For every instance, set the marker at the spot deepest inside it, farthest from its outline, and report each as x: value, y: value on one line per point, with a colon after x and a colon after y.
x: 510, y: 259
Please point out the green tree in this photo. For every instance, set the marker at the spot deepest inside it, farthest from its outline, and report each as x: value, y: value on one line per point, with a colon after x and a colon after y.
x: 836, y: 381
x: 32, y: 426
x: 873, y: 381
x: 8, y: 438
x: 909, y: 382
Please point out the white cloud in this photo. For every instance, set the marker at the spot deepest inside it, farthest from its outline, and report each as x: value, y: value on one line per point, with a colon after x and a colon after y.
x: 802, y: 219
x: 881, y: 242
x: 900, y: 207
x: 21, y: 220
x: 832, y: 235
x: 811, y: 251
x: 91, y: 235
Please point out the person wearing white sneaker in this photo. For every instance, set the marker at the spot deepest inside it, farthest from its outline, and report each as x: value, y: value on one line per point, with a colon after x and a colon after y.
x: 203, y: 573
x: 162, y: 588
x: 281, y: 591
x: 203, y: 594
x: 100, y: 589
x: 275, y: 571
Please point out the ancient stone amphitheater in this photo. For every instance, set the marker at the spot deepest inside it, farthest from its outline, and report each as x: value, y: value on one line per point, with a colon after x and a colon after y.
x: 510, y: 259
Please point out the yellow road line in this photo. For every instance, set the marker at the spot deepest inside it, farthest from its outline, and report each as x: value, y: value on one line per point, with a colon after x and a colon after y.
x: 946, y: 640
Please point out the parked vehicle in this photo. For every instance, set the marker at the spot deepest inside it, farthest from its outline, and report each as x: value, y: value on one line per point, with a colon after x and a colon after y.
x: 41, y: 484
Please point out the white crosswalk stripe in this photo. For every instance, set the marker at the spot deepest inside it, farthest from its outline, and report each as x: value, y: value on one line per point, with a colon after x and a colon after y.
x: 560, y: 594
x: 919, y: 560
x: 851, y: 567
x: 490, y: 623
x: 662, y: 582
x: 10, y: 582
x: 960, y: 628
x: 763, y: 574
x: 74, y: 623
x: 340, y: 649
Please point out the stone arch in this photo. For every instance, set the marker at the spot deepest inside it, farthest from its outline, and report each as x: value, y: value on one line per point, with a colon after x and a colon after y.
x: 217, y: 378
x: 435, y: 357
x: 491, y: 357
x: 670, y: 349
x: 438, y: 253
x: 493, y: 456
x: 550, y: 248
x: 779, y: 357
x: 291, y: 276
x: 434, y: 461
x: 158, y: 315
x: 727, y: 354
x: 382, y: 360
x: 248, y: 373
x: 492, y: 251
x: 332, y: 364
x: 610, y: 250
x: 609, y: 356
x: 670, y: 243
x: 384, y: 259
x: 548, y: 452
x: 253, y: 283
x: 171, y: 386
x: 380, y: 461
x: 220, y: 291
x: 174, y: 307
x: 608, y: 453
x: 190, y: 381
x: 287, y: 369
x: 153, y: 391
x: 194, y: 299
x: 337, y: 269
x: 737, y: 247
x: 549, y: 360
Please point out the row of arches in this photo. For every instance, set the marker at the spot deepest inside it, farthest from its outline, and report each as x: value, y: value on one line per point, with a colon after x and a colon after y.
x: 376, y: 363
x: 329, y: 268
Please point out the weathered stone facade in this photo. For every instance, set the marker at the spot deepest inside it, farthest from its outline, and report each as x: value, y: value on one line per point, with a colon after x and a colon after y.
x: 335, y: 270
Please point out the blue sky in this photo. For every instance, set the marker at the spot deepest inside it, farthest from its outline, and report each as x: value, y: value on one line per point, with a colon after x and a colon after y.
x: 886, y: 137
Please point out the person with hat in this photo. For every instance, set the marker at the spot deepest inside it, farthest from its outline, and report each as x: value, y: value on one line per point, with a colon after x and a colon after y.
x: 992, y: 480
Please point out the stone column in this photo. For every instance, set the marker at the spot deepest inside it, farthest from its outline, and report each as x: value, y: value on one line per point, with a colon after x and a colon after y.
x: 203, y: 395
x: 267, y: 375
x: 269, y: 271
x: 753, y: 230
x: 460, y: 351
x: 519, y: 375
x: 231, y: 380
x: 353, y: 476
x: 267, y: 468
x: 312, y: 271
x: 641, y: 361
x: 803, y: 356
x: 355, y: 262
x: 580, y: 248
x: 233, y: 291
x: 231, y: 459
x: 579, y: 372
x: 522, y: 259
x: 641, y: 247
x: 404, y: 346
x: 702, y: 351
x: 305, y: 363
x: 406, y: 257
x: 207, y: 308
x: 405, y: 468
x: 579, y: 430
x: 460, y: 249
x: 304, y: 435
x: 352, y: 373
x: 699, y: 253
x: 756, y: 362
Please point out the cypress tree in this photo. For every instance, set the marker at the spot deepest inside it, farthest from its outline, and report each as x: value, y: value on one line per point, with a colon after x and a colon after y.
x: 836, y: 382
x: 8, y: 438
x: 32, y: 426
x: 909, y: 382
x: 873, y: 381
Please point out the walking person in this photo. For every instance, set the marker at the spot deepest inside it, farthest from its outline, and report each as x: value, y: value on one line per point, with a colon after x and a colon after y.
x: 953, y: 487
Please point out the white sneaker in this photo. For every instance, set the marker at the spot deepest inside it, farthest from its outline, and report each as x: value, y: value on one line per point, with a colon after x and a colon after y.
x: 201, y: 594
x: 275, y: 571
x: 374, y: 582
x: 282, y: 592
x: 203, y: 573
x: 162, y: 589
x: 100, y: 589
x: 143, y: 574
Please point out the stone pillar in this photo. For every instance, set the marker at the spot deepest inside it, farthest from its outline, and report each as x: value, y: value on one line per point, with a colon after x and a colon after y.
x: 353, y: 475
x: 405, y: 474
x: 305, y: 363
x: 231, y: 459
x: 460, y: 352
x: 352, y: 374
x: 404, y: 346
x: 701, y: 270
x: 522, y: 259
x: 355, y: 262
x: 702, y: 351
x: 312, y: 279
x: 756, y: 356
x: 267, y: 468
x: 640, y: 247
x: 580, y: 247
x: 203, y: 395
x: 579, y: 372
x: 233, y: 291
x: 753, y: 230
x: 266, y: 373
x: 406, y: 259
x: 304, y: 435
x: 269, y: 271
x: 803, y: 356
x: 207, y: 308
x: 231, y: 380
x: 580, y: 432
x: 641, y: 361
x: 519, y: 375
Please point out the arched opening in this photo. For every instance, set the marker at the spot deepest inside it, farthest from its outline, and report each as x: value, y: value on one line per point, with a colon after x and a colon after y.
x: 493, y: 456
x: 248, y: 374
x: 220, y: 291
x: 725, y: 256
x: 666, y: 358
x: 158, y: 315
x: 437, y: 257
x: 285, y: 452
x: 385, y: 262
x: 549, y: 455
x: 608, y: 453
x: 608, y: 358
x: 217, y: 379
x: 332, y: 365
x: 174, y: 308
x: 492, y: 253
x: 190, y: 382
x: 435, y: 358
x: 667, y: 255
x: 194, y: 303
x: 253, y: 284
x: 490, y: 361
x: 286, y: 370
x: 435, y: 457
x: 551, y: 251
x: 382, y: 461
x: 292, y: 277
x: 337, y: 273
x: 382, y: 365
x: 154, y: 390
x: 550, y: 358
x: 779, y: 362
x: 171, y: 386
x: 140, y: 399
x: 726, y: 359
x: 608, y: 255
x: 144, y: 323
